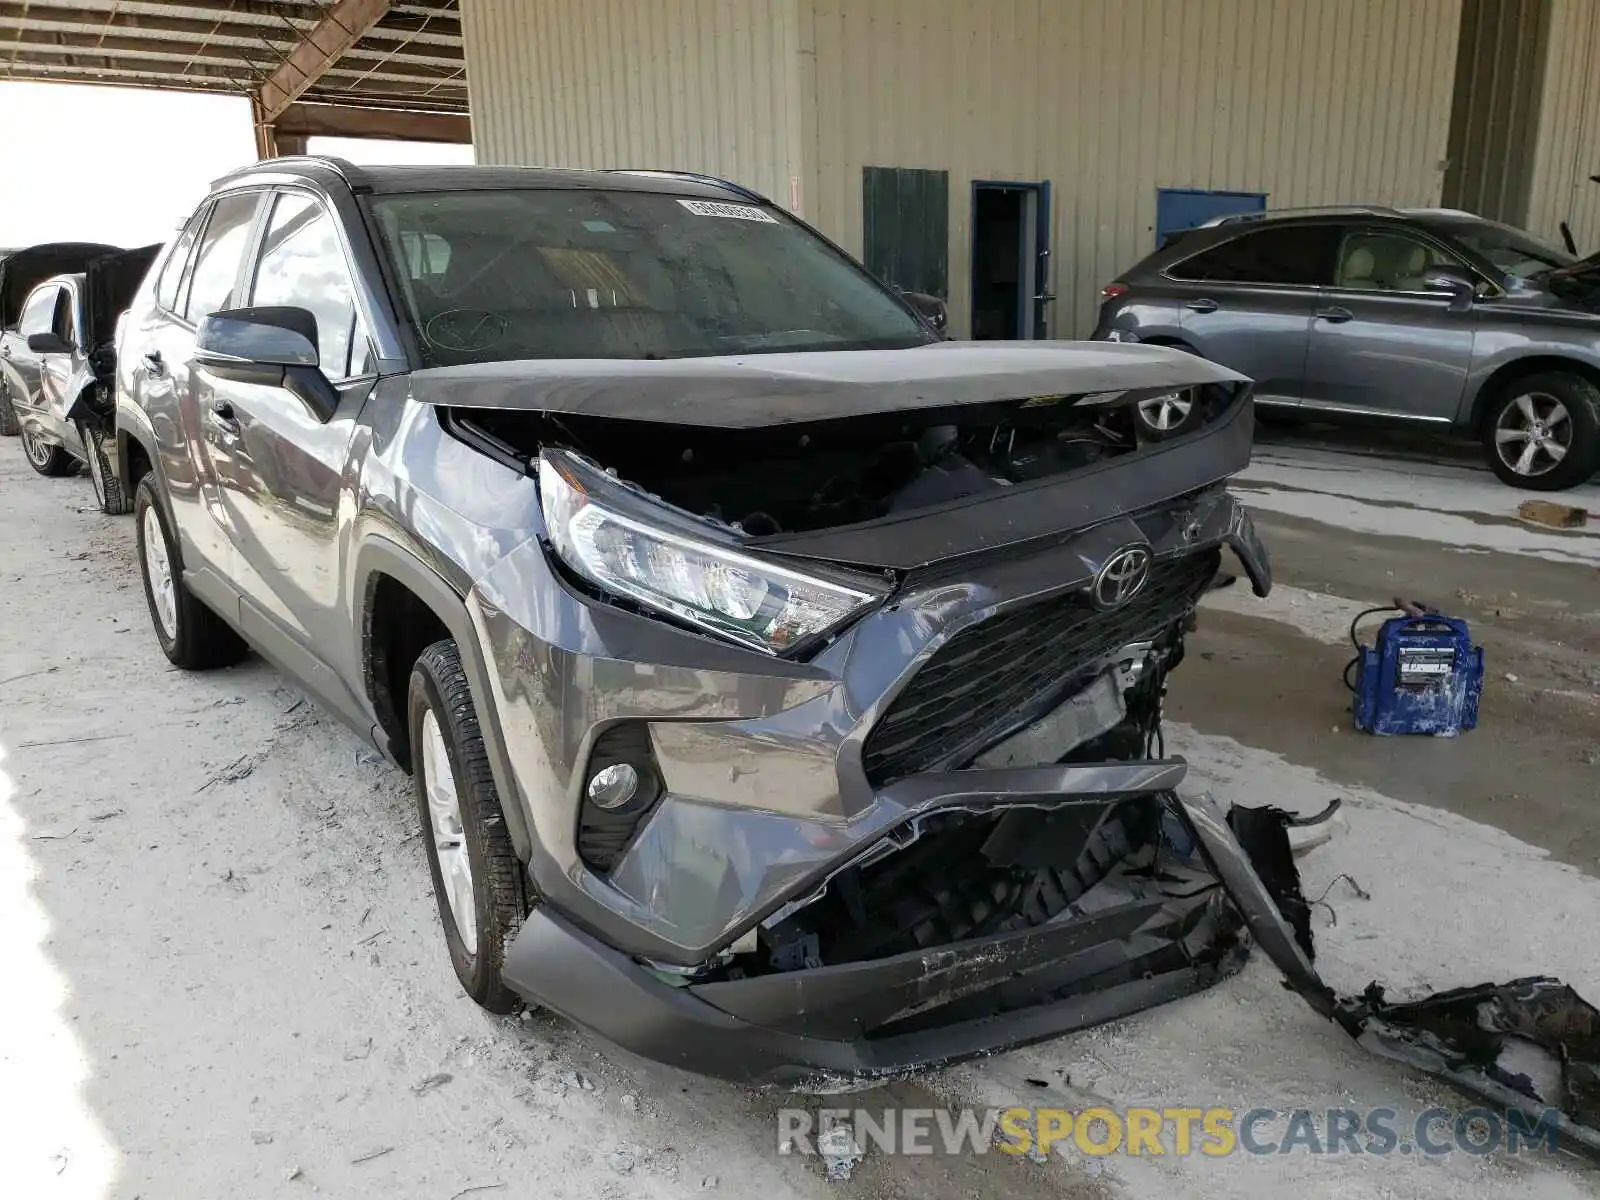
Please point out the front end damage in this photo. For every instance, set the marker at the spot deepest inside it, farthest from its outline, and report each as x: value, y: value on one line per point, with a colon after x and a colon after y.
x: 933, y: 822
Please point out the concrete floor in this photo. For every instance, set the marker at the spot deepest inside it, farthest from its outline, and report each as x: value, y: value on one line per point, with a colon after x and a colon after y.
x: 224, y: 973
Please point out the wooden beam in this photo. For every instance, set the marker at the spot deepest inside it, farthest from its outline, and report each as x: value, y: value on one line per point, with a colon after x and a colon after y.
x: 336, y: 120
x: 343, y: 26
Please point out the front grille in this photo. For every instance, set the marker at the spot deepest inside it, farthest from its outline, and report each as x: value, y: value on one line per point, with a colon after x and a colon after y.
x: 991, y: 673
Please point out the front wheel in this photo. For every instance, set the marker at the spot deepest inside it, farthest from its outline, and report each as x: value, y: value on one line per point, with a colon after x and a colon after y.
x: 108, y: 491
x: 1543, y: 432
x: 477, y: 877
x: 45, y: 458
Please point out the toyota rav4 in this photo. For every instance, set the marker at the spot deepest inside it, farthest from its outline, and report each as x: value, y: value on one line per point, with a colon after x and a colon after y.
x: 781, y: 683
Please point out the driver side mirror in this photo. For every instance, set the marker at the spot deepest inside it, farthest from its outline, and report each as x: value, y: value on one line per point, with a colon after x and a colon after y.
x: 275, y: 346
x: 1461, y: 285
x: 48, y: 342
x: 932, y: 309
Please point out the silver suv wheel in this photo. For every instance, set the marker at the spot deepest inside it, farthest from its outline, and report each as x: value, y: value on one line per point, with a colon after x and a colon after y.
x: 1533, y: 434
x: 1165, y: 413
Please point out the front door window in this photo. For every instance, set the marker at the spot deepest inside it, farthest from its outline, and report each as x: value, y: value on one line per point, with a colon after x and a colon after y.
x: 1387, y: 261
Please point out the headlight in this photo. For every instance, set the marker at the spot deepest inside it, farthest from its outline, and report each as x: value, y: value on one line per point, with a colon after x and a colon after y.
x: 757, y: 603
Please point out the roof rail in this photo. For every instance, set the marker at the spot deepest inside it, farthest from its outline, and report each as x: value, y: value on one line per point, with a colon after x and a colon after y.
x: 694, y: 176
x: 339, y: 166
x: 1315, y: 210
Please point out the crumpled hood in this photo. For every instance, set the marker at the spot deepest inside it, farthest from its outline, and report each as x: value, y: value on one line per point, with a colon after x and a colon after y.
x: 24, y: 270
x: 110, y: 282
x: 755, y: 390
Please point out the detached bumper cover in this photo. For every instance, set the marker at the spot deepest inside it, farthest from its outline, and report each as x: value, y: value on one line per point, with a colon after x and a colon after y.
x: 840, y: 1027
x: 796, y: 1029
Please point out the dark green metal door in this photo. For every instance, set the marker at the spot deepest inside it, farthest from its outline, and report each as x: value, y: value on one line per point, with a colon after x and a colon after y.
x: 906, y: 236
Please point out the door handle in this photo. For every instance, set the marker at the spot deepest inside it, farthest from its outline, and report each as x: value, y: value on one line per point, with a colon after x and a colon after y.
x: 1337, y: 315
x: 1202, y: 306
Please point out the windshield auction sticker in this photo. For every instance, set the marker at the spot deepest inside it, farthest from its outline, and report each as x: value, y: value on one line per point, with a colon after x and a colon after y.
x: 739, y: 212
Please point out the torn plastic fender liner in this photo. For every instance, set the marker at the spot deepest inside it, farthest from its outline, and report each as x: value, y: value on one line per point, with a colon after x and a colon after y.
x: 1466, y: 1036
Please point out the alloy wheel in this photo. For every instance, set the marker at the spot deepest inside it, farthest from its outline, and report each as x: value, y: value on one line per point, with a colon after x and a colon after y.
x: 158, y: 569
x: 1533, y: 434
x: 38, y: 452
x: 449, y: 836
x: 1166, y: 413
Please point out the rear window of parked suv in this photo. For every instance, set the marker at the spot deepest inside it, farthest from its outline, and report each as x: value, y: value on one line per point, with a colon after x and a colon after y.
x: 1293, y: 255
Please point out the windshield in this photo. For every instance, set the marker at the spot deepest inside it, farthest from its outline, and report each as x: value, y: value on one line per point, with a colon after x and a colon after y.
x: 491, y: 276
x: 1514, y: 252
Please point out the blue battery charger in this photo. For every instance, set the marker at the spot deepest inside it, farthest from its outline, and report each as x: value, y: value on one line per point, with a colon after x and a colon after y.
x: 1422, y: 675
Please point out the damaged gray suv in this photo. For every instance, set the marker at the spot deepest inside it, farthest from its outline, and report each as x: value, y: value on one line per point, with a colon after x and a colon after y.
x: 782, y: 684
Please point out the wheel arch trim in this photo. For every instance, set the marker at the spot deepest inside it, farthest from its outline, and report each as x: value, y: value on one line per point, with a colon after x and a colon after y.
x: 379, y: 555
x: 1504, y: 373
x: 132, y: 424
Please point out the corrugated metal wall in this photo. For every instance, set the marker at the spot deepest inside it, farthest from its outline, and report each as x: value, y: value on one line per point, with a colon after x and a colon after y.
x: 694, y: 85
x: 1569, y: 128
x: 1311, y: 101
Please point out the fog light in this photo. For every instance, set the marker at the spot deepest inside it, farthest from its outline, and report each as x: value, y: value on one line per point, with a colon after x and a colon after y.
x: 613, y: 786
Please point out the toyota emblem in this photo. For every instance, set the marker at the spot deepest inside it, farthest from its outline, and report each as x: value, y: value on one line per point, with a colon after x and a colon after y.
x: 1121, y: 577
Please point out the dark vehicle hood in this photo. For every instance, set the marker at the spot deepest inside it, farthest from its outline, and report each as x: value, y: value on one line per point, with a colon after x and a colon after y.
x: 110, y: 282
x: 23, y: 270
x: 751, y: 391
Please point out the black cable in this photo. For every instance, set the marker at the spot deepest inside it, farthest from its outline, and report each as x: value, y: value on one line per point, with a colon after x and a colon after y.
x: 1360, y: 617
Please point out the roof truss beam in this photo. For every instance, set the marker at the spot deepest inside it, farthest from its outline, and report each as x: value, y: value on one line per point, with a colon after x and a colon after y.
x: 345, y: 24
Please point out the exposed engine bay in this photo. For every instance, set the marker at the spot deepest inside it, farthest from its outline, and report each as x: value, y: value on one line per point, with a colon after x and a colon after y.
x: 799, y: 477
x: 962, y: 875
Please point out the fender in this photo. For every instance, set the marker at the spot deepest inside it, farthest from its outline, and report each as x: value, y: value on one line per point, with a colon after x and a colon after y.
x: 1500, y: 354
x: 378, y: 554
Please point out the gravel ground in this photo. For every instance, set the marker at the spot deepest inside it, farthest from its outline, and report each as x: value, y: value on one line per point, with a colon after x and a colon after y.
x: 224, y: 976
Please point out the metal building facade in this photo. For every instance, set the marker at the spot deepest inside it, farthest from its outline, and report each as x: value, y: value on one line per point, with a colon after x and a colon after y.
x: 1568, y: 150
x: 1312, y: 103
x: 695, y: 85
x: 1109, y: 100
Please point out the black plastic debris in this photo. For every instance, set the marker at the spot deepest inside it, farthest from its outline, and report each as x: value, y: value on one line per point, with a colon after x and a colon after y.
x: 1531, y: 1046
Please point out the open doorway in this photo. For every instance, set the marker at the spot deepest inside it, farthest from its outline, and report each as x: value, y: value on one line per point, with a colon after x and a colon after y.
x: 1010, y: 260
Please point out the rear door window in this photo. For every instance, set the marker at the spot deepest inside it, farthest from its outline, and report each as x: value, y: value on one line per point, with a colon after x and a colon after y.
x: 1289, y: 256
x: 39, y: 313
x: 216, y: 265
x: 167, y: 290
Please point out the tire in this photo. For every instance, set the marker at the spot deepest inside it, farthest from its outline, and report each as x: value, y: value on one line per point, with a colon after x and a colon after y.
x: 1534, y: 416
x: 445, y: 734
x: 190, y: 634
x: 9, y: 425
x: 108, y: 491
x: 52, y: 461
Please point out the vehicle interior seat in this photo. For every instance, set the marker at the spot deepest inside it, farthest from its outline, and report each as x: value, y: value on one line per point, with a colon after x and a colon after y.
x: 1412, y: 267
x: 1358, y: 269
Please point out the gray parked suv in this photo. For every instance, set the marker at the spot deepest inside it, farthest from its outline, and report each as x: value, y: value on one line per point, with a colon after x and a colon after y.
x: 1427, y: 316
x: 782, y: 684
